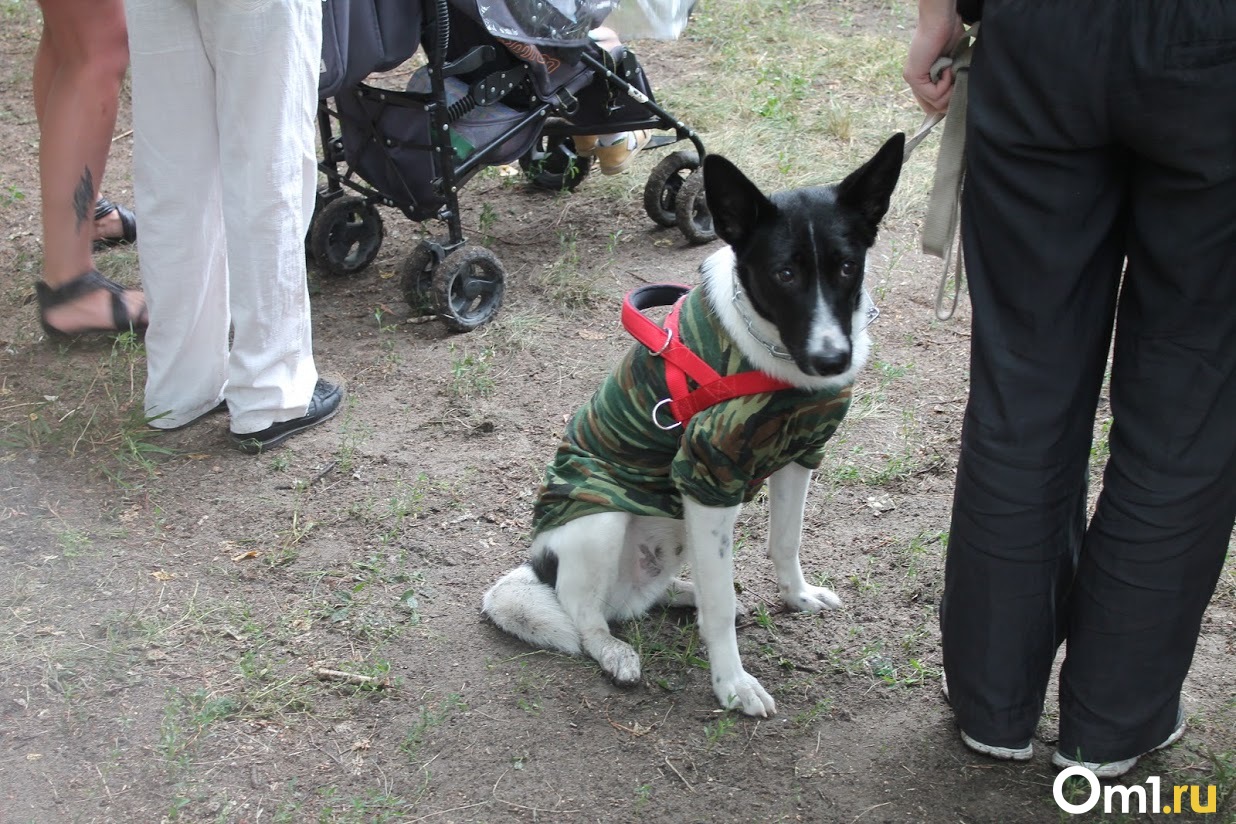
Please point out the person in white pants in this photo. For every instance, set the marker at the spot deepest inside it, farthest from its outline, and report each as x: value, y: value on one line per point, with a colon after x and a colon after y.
x: 224, y: 97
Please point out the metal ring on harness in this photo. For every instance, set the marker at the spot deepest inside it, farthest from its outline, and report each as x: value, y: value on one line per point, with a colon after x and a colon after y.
x: 658, y: 423
x: 669, y: 338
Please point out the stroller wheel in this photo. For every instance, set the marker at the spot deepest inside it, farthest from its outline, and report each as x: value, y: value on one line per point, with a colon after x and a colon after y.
x: 468, y: 288
x: 552, y: 164
x: 661, y: 190
x: 693, y: 217
x: 416, y: 280
x: 345, y: 235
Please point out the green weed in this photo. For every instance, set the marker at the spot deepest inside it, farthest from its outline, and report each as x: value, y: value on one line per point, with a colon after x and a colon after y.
x: 471, y: 374
x: 566, y: 282
x: 818, y: 710
x: 717, y: 731
x: 431, y: 717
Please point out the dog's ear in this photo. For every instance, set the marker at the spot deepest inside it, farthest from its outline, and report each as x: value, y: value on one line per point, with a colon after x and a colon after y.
x: 869, y: 189
x: 736, y: 204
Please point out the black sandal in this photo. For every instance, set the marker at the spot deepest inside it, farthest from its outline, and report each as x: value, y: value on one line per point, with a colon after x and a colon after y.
x: 92, y: 281
x: 128, y: 224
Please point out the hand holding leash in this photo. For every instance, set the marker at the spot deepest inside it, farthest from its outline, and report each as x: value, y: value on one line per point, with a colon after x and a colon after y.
x: 938, y: 33
x: 948, y: 78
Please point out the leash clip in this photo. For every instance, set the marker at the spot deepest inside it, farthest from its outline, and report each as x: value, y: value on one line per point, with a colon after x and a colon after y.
x: 657, y: 423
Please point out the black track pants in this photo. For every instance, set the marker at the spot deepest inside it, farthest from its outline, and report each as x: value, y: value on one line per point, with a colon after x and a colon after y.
x: 1100, y: 194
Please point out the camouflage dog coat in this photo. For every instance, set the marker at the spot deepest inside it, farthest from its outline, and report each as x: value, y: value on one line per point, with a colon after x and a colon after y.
x: 614, y: 459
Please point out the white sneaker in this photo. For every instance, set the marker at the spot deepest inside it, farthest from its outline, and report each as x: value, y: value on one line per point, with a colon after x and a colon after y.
x: 1115, y: 769
x: 1001, y: 753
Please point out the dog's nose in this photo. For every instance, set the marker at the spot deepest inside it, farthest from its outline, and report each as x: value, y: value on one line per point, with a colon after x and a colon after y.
x: 830, y: 361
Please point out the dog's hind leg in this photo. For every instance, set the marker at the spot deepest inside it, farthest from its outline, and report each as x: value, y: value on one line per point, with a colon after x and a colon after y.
x: 678, y: 594
x: 591, y: 586
x: 787, y: 492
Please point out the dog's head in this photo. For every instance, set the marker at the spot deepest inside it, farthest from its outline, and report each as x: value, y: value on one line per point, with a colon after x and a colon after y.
x: 800, y: 253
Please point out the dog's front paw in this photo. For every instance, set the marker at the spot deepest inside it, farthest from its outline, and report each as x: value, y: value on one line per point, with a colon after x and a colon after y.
x: 744, y: 692
x: 621, y: 662
x: 810, y: 599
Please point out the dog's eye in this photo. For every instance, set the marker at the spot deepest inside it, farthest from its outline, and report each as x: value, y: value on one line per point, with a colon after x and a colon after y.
x: 849, y: 268
x: 785, y: 276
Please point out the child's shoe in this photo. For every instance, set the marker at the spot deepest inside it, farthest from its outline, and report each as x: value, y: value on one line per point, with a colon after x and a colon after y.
x: 585, y: 144
x: 614, y: 152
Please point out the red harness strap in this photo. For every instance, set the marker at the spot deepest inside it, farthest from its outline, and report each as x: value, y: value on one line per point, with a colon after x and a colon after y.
x: 680, y: 362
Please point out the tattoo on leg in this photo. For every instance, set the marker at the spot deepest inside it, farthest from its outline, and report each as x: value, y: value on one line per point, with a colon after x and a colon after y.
x: 83, y: 199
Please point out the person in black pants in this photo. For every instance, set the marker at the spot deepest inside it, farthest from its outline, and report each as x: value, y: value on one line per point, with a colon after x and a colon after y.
x: 1099, y: 200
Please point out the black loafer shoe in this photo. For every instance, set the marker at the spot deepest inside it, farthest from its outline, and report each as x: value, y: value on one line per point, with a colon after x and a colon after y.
x: 323, y: 406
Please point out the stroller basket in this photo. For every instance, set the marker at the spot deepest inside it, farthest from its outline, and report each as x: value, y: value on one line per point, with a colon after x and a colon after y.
x: 504, y: 81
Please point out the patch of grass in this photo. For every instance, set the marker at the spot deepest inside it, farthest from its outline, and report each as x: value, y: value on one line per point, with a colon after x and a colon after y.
x: 11, y: 195
x: 431, y: 717
x: 859, y: 466
x: 98, y: 414
x: 763, y: 619
x: 185, y: 719
x: 353, y: 434
x: 73, y: 542
x: 1227, y: 577
x: 808, y: 91
x: 1100, y: 448
x: 528, y: 688
x: 893, y: 665
x: 866, y: 582
x: 567, y: 282
x: 471, y: 374
x: 379, y: 313
x: 373, y: 600
x: 270, y: 687
x: 514, y: 332
x: 921, y: 549
x: 406, y: 502
x: 1223, y: 776
x: 820, y: 709
x: 667, y: 650
x: 887, y: 372
x: 375, y: 806
x: 485, y: 221
x: 717, y: 731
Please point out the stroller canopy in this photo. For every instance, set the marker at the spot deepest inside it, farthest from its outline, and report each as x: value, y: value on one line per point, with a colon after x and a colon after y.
x: 562, y: 23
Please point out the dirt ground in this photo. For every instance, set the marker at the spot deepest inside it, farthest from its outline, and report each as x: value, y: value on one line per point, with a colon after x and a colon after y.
x: 171, y: 610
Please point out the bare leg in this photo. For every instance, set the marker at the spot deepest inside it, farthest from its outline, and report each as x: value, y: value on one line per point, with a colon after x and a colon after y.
x: 78, y: 69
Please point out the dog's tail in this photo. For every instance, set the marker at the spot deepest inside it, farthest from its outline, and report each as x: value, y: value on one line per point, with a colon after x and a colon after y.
x: 527, y: 608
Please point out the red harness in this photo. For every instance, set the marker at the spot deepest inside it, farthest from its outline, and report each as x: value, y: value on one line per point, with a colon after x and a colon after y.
x: 680, y: 362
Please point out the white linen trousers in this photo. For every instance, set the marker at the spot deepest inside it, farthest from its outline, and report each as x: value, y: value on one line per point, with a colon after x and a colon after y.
x: 224, y: 99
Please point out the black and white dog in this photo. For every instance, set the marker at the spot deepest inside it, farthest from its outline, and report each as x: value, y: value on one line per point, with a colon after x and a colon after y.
x: 787, y: 294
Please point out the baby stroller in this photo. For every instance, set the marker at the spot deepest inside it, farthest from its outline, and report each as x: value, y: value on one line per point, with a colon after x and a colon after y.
x: 504, y: 81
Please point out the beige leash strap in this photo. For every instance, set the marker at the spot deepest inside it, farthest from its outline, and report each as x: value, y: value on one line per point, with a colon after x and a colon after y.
x: 941, y: 225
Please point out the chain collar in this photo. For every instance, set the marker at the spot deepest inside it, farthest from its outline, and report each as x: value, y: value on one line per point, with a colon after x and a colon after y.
x: 773, y: 349
x: 870, y: 313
